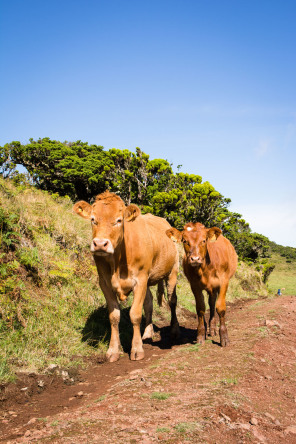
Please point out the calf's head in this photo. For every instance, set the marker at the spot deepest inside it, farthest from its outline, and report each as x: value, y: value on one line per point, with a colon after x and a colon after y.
x: 107, y: 216
x: 195, y: 238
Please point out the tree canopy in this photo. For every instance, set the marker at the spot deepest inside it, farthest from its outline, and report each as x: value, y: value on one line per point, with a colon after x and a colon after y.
x: 82, y: 171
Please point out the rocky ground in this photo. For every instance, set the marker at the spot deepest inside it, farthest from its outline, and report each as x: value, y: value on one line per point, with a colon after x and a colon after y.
x: 244, y: 393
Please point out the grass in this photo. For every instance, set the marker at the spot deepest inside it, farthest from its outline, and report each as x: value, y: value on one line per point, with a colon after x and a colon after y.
x: 283, y: 276
x: 162, y: 430
x: 161, y: 396
x: 48, y: 287
x: 185, y: 427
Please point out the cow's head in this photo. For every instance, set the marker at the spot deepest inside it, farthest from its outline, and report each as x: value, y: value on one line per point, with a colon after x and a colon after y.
x: 195, y: 238
x: 107, y: 216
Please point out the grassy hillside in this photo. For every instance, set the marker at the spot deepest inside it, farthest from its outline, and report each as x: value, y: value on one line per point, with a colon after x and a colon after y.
x: 51, y: 308
x: 283, y: 275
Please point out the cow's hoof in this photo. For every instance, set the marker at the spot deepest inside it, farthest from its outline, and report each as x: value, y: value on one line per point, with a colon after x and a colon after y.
x: 113, y: 357
x: 224, y: 342
x: 137, y: 355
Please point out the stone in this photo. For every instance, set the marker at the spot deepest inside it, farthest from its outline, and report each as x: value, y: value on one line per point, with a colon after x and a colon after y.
x: 268, y: 415
x: 272, y: 323
x: 253, y: 421
x: 291, y: 429
x: 244, y: 426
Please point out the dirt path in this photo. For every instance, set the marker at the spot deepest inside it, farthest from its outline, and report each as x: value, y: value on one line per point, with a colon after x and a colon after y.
x: 245, y: 393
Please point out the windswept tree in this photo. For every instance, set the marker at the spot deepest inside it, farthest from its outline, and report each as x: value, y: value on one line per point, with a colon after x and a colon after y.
x: 82, y: 171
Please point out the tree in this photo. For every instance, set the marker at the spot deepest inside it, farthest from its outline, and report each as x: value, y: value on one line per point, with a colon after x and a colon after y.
x: 82, y: 171
x: 7, y: 165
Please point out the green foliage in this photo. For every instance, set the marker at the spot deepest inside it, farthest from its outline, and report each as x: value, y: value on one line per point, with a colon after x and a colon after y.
x: 81, y: 171
x: 287, y: 252
x: 266, y: 269
x: 9, y: 237
x: 7, y: 165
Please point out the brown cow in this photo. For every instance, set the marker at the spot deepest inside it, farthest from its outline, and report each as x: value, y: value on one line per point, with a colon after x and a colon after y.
x: 131, y: 252
x: 209, y: 262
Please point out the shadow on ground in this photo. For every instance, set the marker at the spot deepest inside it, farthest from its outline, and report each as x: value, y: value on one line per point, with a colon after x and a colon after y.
x: 97, y: 329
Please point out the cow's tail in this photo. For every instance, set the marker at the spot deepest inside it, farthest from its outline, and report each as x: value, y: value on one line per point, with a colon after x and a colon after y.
x: 160, y: 293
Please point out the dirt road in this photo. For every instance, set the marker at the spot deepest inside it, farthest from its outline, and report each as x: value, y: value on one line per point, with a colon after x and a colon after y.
x: 245, y: 393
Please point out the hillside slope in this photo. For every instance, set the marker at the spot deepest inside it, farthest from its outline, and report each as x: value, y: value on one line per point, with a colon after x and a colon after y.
x: 51, y: 308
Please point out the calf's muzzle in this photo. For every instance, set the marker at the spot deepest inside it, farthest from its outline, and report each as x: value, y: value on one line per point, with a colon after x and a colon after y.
x: 195, y: 260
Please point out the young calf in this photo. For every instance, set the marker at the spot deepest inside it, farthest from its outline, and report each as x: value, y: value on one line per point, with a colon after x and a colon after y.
x: 209, y: 262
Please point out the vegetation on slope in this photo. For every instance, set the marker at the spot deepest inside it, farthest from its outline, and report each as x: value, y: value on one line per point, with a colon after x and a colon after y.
x: 82, y: 171
x: 48, y: 286
x: 51, y: 308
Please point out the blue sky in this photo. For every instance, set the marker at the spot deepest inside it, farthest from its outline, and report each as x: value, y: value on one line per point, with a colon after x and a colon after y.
x: 207, y: 84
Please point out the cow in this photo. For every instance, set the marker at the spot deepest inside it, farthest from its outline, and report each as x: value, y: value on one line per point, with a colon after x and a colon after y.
x: 209, y: 262
x: 131, y: 253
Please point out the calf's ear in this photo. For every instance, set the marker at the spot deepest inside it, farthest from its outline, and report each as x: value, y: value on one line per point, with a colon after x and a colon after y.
x: 213, y: 234
x: 131, y: 212
x: 174, y: 234
x: 83, y: 209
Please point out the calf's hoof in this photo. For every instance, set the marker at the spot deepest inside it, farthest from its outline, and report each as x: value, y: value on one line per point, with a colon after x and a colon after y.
x: 213, y: 332
x: 200, y: 339
x: 224, y: 342
x: 137, y: 355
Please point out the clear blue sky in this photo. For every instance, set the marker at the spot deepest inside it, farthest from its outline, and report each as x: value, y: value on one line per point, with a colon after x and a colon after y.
x: 209, y: 84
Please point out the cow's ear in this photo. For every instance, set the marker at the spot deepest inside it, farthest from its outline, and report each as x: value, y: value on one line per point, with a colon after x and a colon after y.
x: 174, y: 234
x: 213, y: 234
x: 83, y: 209
x: 131, y: 212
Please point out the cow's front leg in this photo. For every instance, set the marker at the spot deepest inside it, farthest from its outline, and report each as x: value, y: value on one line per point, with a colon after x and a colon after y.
x: 221, y: 310
x: 148, y: 309
x: 137, y: 351
x: 114, y: 350
x: 200, y: 311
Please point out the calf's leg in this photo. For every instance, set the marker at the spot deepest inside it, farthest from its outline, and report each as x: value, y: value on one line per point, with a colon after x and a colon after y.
x: 148, y: 309
x: 200, y: 311
x: 221, y: 310
x: 212, y: 320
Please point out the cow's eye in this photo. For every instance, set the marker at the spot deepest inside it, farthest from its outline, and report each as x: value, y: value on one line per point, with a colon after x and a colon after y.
x: 93, y: 221
x: 185, y: 242
x: 203, y: 241
x: 118, y: 221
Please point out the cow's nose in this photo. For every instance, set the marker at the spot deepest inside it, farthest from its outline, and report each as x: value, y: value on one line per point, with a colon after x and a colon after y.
x: 101, y: 245
x: 195, y: 259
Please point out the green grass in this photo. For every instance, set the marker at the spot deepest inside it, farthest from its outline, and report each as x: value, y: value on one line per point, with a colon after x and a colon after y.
x: 185, y: 427
x: 162, y: 430
x: 283, y: 276
x: 160, y: 395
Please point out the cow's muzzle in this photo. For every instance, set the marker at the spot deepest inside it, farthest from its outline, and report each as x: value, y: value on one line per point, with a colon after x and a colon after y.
x: 101, y: 247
